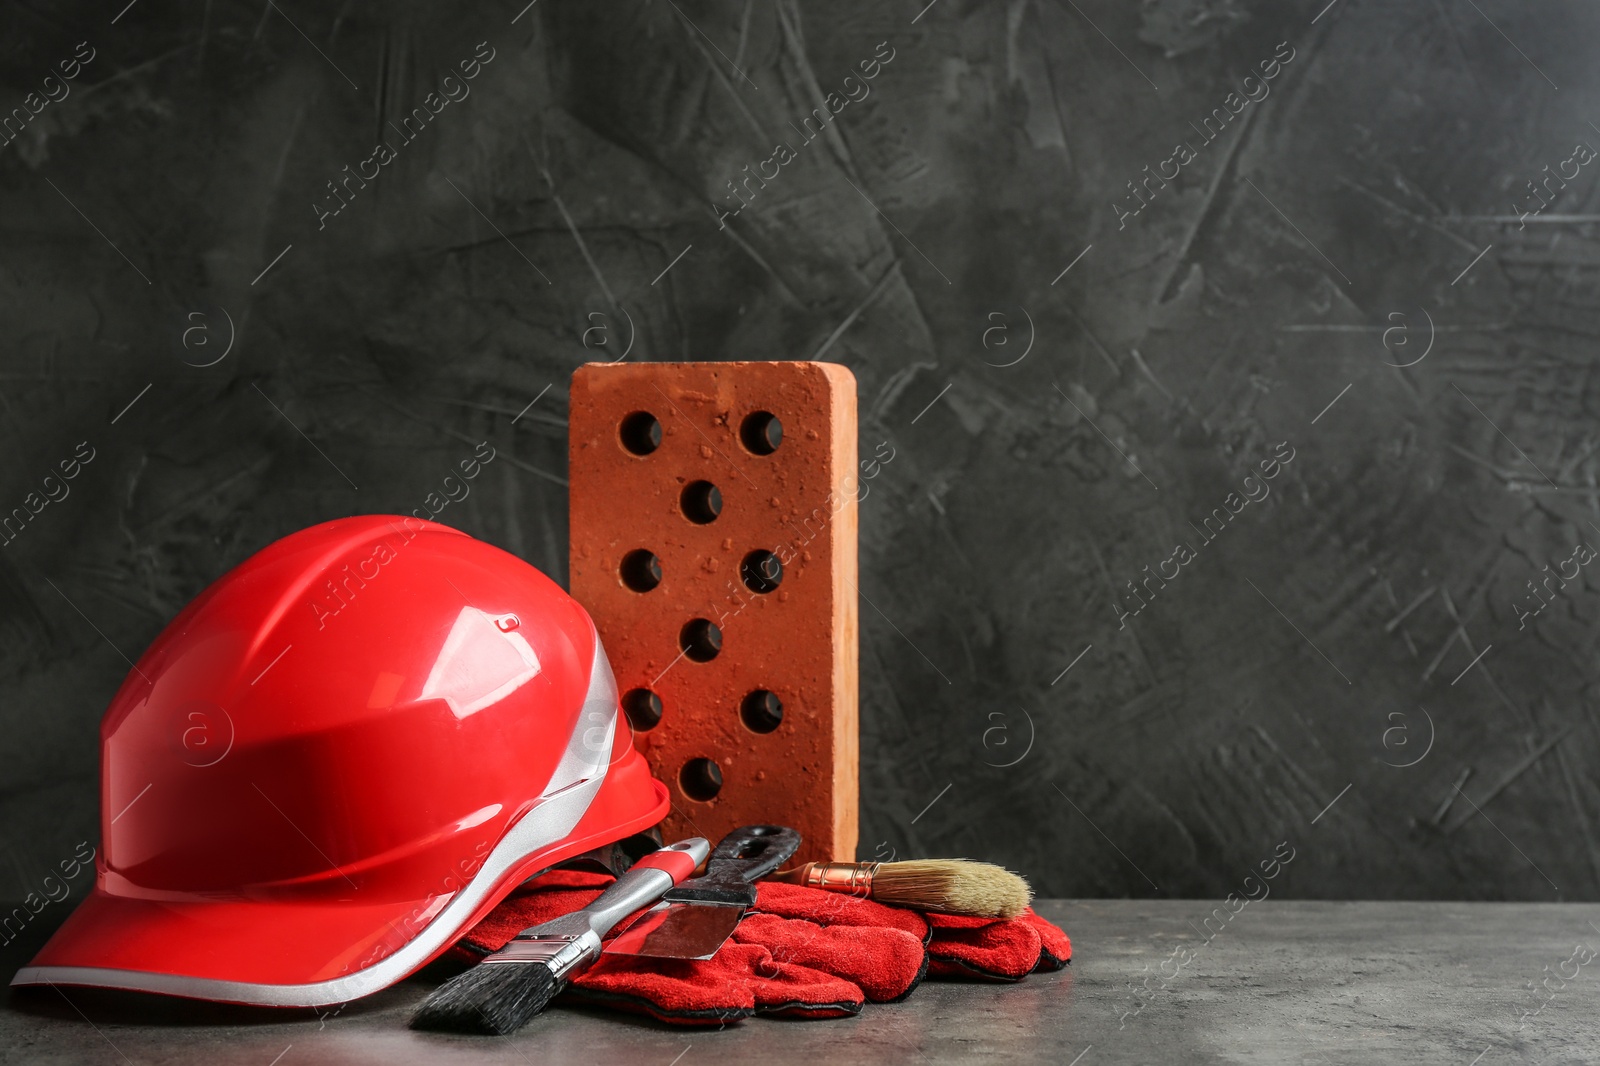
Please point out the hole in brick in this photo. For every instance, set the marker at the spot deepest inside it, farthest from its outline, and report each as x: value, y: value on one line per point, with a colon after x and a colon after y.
x: 761, y: 570
x: 641, y: 570
x: 641, y: 433
x: 700, y: 779
x: 761, y: 711
x: 700, y: 640
x: 761, y: 432
x: 701, y: 502
x: 643, y: 709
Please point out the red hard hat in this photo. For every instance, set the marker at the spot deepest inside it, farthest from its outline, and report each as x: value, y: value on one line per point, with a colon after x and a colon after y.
x: 336, y: 760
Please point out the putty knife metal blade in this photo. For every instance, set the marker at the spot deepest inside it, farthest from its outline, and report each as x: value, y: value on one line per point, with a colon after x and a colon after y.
x: 679, y: 931
x: 694, y: 919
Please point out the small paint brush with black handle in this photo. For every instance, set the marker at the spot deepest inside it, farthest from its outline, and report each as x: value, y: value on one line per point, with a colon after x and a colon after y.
x: 500, y: 993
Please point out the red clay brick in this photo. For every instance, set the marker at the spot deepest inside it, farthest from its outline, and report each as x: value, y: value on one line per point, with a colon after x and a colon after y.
x: 798, y: 641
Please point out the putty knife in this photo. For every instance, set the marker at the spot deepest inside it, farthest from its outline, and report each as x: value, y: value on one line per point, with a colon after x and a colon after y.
x: 693, y: 919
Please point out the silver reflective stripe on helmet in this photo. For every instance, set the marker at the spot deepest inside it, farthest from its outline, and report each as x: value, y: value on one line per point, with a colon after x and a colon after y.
x: 589, y: 749
x: 567, y: 796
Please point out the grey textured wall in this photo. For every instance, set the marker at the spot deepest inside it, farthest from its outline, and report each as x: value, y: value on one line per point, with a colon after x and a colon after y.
x: 1074, y: 374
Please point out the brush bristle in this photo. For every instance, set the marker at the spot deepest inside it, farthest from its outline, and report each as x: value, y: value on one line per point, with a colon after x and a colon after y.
x: 492, y: 999
x: 952, y: 886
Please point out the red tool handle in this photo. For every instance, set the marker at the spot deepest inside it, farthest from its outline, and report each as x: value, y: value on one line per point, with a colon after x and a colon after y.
x: 677, y: 865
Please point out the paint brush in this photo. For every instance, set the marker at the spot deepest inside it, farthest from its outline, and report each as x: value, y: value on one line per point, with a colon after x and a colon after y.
x: 500, y: 993
x: 948, y: 886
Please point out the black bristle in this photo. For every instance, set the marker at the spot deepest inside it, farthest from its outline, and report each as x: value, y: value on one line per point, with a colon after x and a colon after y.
x: 491, y: 999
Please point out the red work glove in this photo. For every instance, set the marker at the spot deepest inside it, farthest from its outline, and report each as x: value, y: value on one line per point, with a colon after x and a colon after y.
x: 799, y: 953
x: 961, y: 946
x: 550, y: 895
x: 989, y: 949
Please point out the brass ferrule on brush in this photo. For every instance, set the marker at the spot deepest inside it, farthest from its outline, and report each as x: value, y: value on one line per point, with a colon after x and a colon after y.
x: 854, y: 878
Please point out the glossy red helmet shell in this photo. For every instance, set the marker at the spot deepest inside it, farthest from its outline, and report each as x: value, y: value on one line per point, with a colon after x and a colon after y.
x: 336, y: 760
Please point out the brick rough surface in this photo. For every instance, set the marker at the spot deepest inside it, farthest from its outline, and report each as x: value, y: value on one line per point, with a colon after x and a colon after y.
x: 797, y: 641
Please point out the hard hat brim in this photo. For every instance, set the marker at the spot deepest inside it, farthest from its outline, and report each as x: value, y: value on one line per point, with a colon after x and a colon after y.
x: 310, y: 953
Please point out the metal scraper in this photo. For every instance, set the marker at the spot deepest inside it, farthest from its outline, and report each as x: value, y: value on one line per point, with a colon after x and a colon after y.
x: 694, y: 919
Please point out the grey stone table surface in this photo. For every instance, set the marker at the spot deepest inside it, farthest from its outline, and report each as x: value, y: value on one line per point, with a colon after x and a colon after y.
x: 1151, y: 982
